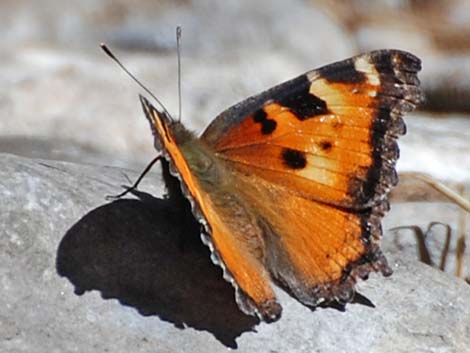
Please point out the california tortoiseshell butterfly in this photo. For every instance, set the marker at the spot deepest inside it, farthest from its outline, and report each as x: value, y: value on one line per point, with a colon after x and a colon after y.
x: 291, y: 184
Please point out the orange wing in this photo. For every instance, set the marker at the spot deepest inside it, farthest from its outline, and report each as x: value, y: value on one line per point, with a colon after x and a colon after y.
x: 230, y: 230
x: 328, y: 135
x: 314, y: 250
x: 315, y: 157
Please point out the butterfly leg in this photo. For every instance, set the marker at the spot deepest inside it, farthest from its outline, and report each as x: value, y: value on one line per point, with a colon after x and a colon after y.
x: 137, y: 182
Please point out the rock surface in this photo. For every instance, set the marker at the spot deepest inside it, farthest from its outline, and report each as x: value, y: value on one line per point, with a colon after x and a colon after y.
x: 67, y: 254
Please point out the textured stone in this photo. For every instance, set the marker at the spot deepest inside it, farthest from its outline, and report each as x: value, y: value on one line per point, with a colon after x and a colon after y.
x: 79, y: 273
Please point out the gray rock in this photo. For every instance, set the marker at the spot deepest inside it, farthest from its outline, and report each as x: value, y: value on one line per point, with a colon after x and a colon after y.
x: 54, y: 72
x: 79, y: 273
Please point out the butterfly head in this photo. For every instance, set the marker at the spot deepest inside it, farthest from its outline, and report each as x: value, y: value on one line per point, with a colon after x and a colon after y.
x: 173, y: 137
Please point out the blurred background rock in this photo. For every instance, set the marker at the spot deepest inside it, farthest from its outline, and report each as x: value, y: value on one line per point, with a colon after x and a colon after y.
x: 62, y: 98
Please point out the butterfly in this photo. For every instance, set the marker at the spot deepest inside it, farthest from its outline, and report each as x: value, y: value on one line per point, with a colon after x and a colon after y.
x: 291, y: 184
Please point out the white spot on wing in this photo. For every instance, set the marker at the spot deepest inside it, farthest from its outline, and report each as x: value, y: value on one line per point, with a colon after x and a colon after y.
x: 363, y: 65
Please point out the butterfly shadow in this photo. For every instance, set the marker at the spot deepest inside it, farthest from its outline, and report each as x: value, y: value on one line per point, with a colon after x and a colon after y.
x: 357, y: 298
x: 147, y: 253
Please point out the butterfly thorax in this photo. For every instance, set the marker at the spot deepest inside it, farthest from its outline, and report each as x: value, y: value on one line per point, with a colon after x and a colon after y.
x: 199, y: 157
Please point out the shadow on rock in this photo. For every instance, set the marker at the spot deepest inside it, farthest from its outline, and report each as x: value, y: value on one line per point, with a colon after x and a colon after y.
x: 147, y: 254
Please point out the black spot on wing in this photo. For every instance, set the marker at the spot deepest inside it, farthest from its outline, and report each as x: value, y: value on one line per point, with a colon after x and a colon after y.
x: 267, y: 125
x: 300, y: 101
x: 337, y: 125
x: 293, y: 159
x: 325, y: 145
x: 259, y: 116
x: 343, y: 72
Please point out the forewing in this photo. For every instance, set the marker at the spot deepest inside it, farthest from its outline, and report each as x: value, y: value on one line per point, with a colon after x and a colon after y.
x: 328, y: 135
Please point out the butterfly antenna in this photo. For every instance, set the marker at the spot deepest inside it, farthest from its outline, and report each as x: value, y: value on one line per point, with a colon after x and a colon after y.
x: 178, y: 53
x: 112, y: 56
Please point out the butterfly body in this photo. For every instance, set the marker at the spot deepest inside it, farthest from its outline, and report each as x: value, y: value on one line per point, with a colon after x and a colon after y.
x: 291, y: 184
